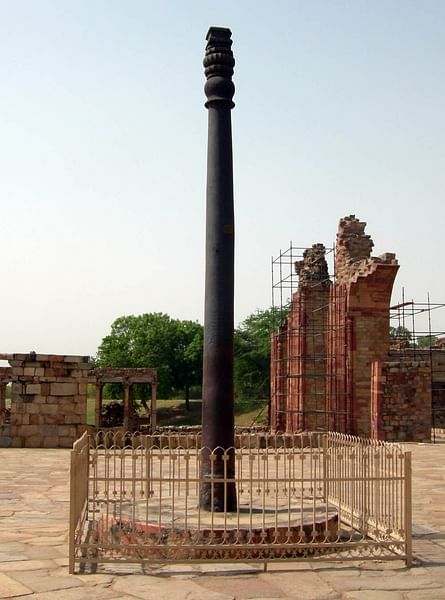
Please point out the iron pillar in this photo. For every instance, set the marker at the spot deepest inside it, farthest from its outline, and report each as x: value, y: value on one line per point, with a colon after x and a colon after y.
x: 217, y: 390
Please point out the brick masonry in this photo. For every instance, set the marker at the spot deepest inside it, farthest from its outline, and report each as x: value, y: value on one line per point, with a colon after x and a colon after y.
x: 359, y: 325
x: 401, y: 401
x: 299, y: 349
x: 435, y: 358
x: 363, y: 392
x: 49, y: 400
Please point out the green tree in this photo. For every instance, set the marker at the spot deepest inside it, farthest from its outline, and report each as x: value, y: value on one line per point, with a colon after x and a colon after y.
x: 400, y: 332
x: 426, y: 341
x: 252, y: 353
x: 158, y: 341
x: 188, y: 357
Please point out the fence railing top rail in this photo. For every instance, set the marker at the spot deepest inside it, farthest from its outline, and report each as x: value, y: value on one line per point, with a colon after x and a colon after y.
x: 352, y: 440
x: 133, y: 440
x: 250, y: 441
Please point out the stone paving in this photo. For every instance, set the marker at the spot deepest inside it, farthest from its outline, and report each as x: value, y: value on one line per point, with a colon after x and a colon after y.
x: 34, y: 551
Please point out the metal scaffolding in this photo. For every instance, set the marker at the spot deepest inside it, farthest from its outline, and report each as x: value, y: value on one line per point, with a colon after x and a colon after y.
x: 307, y: 393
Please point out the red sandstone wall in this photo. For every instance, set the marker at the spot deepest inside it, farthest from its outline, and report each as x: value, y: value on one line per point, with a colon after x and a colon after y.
x: 312, y: 341
x: 277, y: 414
x: 332, y: 372
x: 401, y: 401
x: 339, y: 371
x: 368, y: 301
x: 359, y: 325
x: 435, y: 357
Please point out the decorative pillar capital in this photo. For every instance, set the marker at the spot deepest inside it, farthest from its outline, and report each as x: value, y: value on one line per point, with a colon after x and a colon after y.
x: 218, y: 67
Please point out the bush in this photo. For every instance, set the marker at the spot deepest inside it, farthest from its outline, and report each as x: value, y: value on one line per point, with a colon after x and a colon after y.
x: 113, y: 414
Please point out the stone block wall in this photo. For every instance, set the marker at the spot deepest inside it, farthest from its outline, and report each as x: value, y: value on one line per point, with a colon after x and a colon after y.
x: 49, y: 400
x: 401, y: 401
x: 437, y: 357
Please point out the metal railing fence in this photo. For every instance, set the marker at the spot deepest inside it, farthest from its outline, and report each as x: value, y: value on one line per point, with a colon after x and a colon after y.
x: 369, y: 483
x: 312, y: 496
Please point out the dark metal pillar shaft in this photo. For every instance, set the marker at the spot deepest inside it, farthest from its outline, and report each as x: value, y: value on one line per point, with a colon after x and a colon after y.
x: 218, y: 410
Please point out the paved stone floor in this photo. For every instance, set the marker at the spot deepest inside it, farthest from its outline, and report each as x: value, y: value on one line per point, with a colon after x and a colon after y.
x: 34, y: 550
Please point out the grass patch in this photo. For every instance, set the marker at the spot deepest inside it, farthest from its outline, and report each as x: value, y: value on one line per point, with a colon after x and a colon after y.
x: 173, y: 412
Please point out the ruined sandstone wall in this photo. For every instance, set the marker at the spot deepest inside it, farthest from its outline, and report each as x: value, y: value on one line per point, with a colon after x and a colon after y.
x: 401, y: 401
x: 307, y: 365
x: 339, y: 373
x: 435, y: 357
x: 49, y: 400
x: 369, y: 391
x: 438, y: 386
x: 333, y: 335
x: 365, y: 283
x: 278, y: 370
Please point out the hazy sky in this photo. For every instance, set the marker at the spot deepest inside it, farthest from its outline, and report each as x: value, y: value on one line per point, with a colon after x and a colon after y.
x: 339, y: 110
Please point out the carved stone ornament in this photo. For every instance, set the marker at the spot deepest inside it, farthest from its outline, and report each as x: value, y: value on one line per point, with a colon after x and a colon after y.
x: 218, y: 67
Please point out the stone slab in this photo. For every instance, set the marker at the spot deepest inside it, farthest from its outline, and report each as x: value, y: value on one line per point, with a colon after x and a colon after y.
x: 93, y: 589
x: 26, y: 565
x: 304, y: 586
x: 9, y: 588
x: 10, y: 557
x: 426, y: 595
x: 408, y: 580
x: 373, y: 595
x: 42, y: 581
x: 242, y: 586
x: 154, y: 588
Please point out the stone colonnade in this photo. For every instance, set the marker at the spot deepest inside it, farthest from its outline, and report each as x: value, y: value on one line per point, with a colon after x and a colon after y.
x: 127, y: 378
x: 5, y: 378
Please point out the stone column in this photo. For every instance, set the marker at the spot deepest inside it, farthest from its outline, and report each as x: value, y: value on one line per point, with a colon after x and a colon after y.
x: 98, y: 405
x: 153, y: 407
x: 217, y: 405
x: 127, y: 405
x: 2, y: 396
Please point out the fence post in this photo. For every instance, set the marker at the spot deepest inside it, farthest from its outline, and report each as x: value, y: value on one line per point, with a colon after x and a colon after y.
x: 73, y: 511
x: 79, y: 468
x: 325, y: 445
x: 408, y: 510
